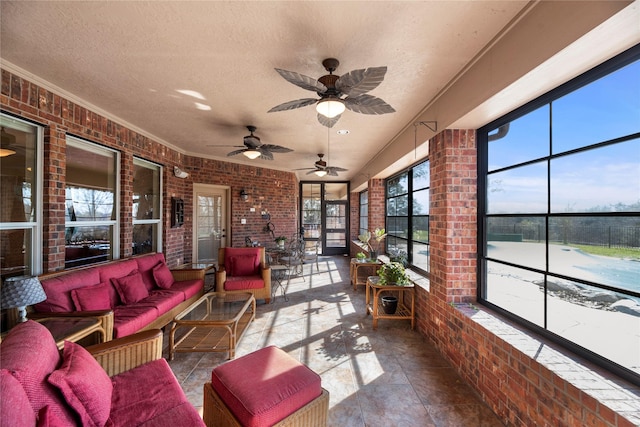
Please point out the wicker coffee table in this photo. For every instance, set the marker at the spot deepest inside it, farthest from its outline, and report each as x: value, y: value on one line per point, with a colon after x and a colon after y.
x: 214, y: 323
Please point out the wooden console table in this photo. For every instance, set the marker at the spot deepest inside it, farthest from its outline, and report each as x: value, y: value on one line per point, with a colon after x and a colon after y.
x: 374, y: 304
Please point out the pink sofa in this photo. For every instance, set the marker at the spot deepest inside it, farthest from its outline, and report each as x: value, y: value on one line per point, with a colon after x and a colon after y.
x: 129, y: 295
x: 41, y: 386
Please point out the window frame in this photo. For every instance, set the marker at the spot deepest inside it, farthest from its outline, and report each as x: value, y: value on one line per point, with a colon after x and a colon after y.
x: 139, y: 162
x: 35, y: 258
x: 114, y: 223
x: 484, y: 135
x: 363, y: 224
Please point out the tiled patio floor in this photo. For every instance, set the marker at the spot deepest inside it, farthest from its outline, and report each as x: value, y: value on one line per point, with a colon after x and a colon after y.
x: 387, y: 377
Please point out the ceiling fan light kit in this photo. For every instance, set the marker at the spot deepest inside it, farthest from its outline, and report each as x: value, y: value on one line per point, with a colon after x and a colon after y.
x: 330, y: 107
x: 320, y: 172
x: 252, y: 154
x: 338, y: 93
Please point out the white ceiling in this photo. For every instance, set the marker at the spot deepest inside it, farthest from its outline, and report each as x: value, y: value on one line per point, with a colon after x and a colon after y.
x: 192, y: 74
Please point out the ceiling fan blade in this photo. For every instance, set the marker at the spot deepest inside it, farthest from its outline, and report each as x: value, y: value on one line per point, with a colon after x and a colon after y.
x: 328, y: 122
x: 233, y: 153
x: 313, y: 171
x: 357, y: 82
x: 331, y: 172
x: 265, y: 154
x: 367, y: 104
x: 305, y: 169
x: 300, y: 80
x: 292, y: 105
x: 275, y: 148
x: 337, y: 169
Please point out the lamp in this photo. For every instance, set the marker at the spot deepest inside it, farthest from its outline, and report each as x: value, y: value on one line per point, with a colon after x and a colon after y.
x: 252, y: 154
x: 320, y: 172
x: 20, y: 292
x: 6, y: 142
x: 330, y: 106
x: 243, y: 195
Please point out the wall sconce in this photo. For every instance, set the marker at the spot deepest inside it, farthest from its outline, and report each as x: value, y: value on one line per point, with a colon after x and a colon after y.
x: 243, y: 195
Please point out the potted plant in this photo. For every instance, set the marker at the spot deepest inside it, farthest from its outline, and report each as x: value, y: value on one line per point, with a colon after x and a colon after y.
x: 377, y: 235
x: 361, y: 256
x: 393, y: 273
x: 280, y: 241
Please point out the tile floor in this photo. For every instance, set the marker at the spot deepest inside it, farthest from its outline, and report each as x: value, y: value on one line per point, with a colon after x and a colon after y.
x: 388, y: 377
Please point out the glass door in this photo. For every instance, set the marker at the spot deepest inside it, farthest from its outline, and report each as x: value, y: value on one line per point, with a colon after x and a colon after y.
x: 335, y: 237
x: 325, y: 216
x: 210, y: 223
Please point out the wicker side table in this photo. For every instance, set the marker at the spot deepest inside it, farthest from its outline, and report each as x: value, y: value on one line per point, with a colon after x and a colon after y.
x: 374, y: 303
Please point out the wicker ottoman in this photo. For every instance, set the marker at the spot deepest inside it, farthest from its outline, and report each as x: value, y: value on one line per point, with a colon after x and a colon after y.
x: 265, y: 388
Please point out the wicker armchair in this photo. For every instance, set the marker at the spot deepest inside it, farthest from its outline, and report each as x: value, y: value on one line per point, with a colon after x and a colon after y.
x: 262, y: 274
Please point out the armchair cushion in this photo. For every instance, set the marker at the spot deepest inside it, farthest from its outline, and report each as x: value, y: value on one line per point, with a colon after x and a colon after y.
x: 86, y: 387
x: 131, y: 288
x: 242, y: 261
x: 14, y: 404
x: 243, y: 265
x: 92, y: 297
x: 30, y: 354
x: 156, y: 395
x: 243, y: 282
x: 162, y: 275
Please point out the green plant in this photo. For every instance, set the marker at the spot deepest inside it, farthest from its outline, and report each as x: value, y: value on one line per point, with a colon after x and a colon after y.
x: 378, y: 234
x: 280, y: 239
x: 361, y: 256
x: 398, y: 255
x: 393, y: 273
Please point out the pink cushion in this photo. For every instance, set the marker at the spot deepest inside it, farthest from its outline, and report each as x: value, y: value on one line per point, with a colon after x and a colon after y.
x: 145, y: 267
x: 265, y: 386
x: 162, y: 300
x: 128, y: 319
x: 150, y: 395
x: 189, y: 288
x: 131, y: 288
x: 162, y: 275
x: 230, y: 265
x: 239, y: 283
x: 116, y: 269
x: 30, y: 354
x: 84, y: 384
x: 92, y: 297
x: 15, y: 408
x: 58, y: 289
x: 243, y: 265
x: 48, y: 418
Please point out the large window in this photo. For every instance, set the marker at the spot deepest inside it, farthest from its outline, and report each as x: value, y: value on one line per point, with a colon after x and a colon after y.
x: 147, y: 194
x: 407, y: 221
x: 364, y: 212
x: 561, y: 214
x: 20, y: 198
x: 91, y: 215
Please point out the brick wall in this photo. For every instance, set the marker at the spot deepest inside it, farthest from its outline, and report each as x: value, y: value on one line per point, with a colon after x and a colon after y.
x: 271, y: 190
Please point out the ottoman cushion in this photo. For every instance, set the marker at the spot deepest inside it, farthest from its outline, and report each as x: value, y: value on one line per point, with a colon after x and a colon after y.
x: 265, y: 386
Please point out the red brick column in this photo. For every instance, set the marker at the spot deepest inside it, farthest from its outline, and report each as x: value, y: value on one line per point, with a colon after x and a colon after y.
x: 376, y: 204
x: 453, y: 216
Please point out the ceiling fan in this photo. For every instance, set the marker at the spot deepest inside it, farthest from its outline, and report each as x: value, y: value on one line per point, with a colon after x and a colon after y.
x: 253, y: 148
x: 338, y: 92
x: 321, y: 169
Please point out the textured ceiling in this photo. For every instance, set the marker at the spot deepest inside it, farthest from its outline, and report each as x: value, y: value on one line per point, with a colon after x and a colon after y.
x: 194, y: 74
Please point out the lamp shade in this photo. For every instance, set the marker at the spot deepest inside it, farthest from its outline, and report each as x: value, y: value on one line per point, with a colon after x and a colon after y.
x: 330, y: 107
x: 20, y: 292
x: 320, y: 172
x: 252, y: 154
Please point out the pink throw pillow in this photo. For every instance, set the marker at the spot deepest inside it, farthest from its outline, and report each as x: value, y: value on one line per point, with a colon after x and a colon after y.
x: 162, y: 275
x: 131, y: 288
x: 15, y: 407
x: 48, y: 418
x: 243, y: 265
x: 84, y: 384
x: 92, y: 297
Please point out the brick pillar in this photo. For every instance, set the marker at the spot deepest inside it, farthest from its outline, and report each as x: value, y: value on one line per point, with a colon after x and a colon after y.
x: 54, y: 206
x: 453, y: 216
x: 376, y: 203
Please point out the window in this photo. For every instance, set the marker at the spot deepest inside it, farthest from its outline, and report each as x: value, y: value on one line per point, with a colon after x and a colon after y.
x: 407, y: 221
x: 147, y: 200
x: 91, y: 215
x: 560, y: 203
x: 364, y: 212
x: 20, y: 198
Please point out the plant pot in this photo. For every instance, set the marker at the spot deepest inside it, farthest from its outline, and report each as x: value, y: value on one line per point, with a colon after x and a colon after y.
x: 280, y: 244
x: 389, y: 304
x: 373, y: 255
